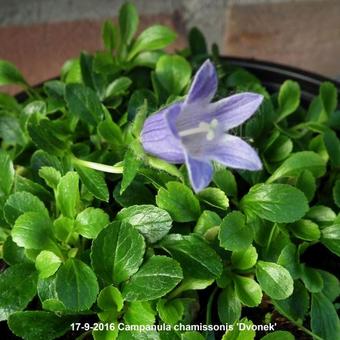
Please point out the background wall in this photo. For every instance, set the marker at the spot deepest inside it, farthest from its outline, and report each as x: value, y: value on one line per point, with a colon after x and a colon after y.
x: 39, y: 35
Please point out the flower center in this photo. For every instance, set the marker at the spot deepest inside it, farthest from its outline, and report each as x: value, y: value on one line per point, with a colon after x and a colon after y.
x: 203, y: 127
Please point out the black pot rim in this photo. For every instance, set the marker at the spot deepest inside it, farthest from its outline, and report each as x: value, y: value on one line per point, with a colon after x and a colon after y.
x: 288, y: 71
x: 272, y: 75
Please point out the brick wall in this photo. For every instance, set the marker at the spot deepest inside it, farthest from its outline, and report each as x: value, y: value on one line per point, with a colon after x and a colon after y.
x: 39, y: 35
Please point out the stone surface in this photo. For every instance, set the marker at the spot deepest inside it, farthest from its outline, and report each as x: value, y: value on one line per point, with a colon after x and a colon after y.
x: 305, y: 34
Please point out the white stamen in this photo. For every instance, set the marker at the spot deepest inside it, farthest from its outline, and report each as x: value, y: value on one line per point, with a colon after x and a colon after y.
x: 203, y: 127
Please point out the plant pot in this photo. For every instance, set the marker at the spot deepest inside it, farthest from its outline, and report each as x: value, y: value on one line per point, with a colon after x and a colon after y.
x: 271, y: 76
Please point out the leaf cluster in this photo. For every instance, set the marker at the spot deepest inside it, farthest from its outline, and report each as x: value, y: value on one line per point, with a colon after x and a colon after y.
x: 91, y: 227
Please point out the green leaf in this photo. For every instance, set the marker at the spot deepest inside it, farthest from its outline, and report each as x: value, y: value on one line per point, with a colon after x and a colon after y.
x: 33, y: 230
x: 131, y: 165
x: 289, y: 98
x: 196, y: 257
x: 279, y: 150
x: 6, y: 173
x: 330, y: 237
x: 229, y: 306
x: 298, y: 162
x: 289, y: 259
x: 39, y: 325
x: 206, y: 221
x: 117, y: 252
x: 109, y: 35
x: 324, y: 318
x: 138, y: 335
x: 248, y: 290
x: 67, y: 194
x: 10, y: 130
x: 153, y: 38
x: 137, y: 103
x: 274, y: 279
x: 24, y: 184
x: 147, y: 59
x: 139, y: 313
x: 18, y: 285
x: 197, y: 42
x: 51, y: 176
x: 42, y: 158
x: 91, y: 79
x: 55, y: 90
x: 332, y: 144
x: 331, y: 285
x: 157, y: 277
x: 128, y: 22
x: 244, y: 259
x: 193, y: 335
x: 45, y: 136
x: 311, y: 278
x: 63, y: 229
x: 214, y: 197
x: 138, y: 123
x: 321, y: 214
x: 152, y: 222
x: 234, y: 233
x: 83, y: 103
x: 47, y: 263
x: 136, y: 193
x: 305, y: 230
x: 110, y: 298
x: 91, y: 221
x: 242, y: 330
x: 296, y: 306
x: 110, y: 131
x: 118, y: 87
x: 179, y: 201
x: 162, y: 165
x: 280, y: 203
x: 307, y: 184
x: 76, y: 285
x: 336, y: 192
x: 12, y: 253
x: 9, y: 74
x: 241, y: 77
x: 279, y: 335
x: 94, y: 182
x: 329, y: 97
x: 170, y: 311
x: 225, y: 180
x: 173, y: 72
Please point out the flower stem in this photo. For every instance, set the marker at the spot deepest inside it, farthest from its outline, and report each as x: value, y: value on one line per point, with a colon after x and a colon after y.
x: 113, y: 169
x: 304, y: 329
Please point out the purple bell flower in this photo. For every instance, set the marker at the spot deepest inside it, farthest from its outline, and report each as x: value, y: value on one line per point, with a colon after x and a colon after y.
x: 194, y: 131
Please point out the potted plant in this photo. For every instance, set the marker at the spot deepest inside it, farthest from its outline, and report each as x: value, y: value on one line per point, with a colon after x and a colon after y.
x: 148, y: 195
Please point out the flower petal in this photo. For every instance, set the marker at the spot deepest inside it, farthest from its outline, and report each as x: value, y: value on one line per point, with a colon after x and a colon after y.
x: 234, y: 110
x: 159, y: 136
x: 233, y: 152
x: 204, y: 85
x: 200, y: 173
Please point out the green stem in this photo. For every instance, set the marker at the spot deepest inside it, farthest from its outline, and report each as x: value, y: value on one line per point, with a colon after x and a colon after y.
x: 208, y: 320
x: 306, y: 330
x: 209, y: 306
x: 113, y: 169
x: 181, y: 288
x: 271, y: 236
